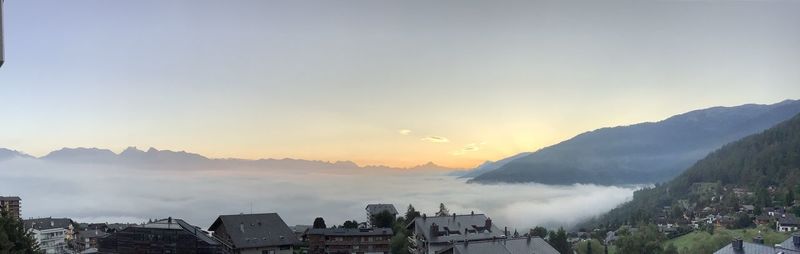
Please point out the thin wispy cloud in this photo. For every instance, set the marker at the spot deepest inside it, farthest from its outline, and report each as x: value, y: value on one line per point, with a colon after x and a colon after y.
x: 436, y: 139
x: 472, y: 147
x: 404, y: 132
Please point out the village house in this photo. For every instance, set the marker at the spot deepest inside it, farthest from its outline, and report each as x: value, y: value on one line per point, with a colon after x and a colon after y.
x: 787, y: 223
x: 161, y: 236
x: 87, y: 239
x: 738, y: 246
x: 525, y: 245
x: 263, y: 233
x: 432, y: 234
x: 349, y: 240
x: 300, y: 231
x: 52, y: 234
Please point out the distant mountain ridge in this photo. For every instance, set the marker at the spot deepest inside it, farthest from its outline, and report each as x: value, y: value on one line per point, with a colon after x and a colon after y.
x: 10, y: 154
x: 488, y: 166
x: 133, y: 156
x: 767, y: 159
x: 641, y: 153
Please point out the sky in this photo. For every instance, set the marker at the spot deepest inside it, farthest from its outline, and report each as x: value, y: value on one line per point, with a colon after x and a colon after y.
x: 398, y: 83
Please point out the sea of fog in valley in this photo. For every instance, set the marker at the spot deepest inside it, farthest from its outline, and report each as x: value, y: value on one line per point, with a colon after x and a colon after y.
x: 112, y: 193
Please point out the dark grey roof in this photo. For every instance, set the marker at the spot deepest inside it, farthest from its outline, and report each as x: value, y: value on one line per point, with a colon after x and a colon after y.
x: 14, y: 198
x: 754, y: 248
x: 533, y: 245
x: 378, y: 208
x: 300, y: 228
x: 789, y: 244
x: 747, y: 248
x: 256, y: 230
x: 350, y: 231
x: 198, y: 232
x: 455, y: 227
x: 92, y: 233
x: 47, y: 223
x: 178, y: 224
x: 789, y: 220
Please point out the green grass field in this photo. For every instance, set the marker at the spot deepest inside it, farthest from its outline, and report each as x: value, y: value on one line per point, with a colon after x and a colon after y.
x: 703, y: 242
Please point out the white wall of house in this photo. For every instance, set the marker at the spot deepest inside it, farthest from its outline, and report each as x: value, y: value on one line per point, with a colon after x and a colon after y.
x: 785, y: 228
x: 51, y: 241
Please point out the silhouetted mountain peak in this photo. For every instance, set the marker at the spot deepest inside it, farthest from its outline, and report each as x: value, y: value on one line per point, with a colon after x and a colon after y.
x: 10, y: 154
x: 81, y: 154
x: 642, y: 153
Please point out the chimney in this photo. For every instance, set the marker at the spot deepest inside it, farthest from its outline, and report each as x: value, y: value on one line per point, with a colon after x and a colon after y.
x: 454, y: 216
x: 424, y: 216
x: 472, y: 213
x: 434, y: 230
x: 737, y: 244
x: 505, y: 231
x: 169, y: 220
x: 758, y: 239
x: 488, y: 224
x: 796, y: 239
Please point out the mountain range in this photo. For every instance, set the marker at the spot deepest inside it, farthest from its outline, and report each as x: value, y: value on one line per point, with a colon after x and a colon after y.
x: 641, y: 153
x: 154, y: 158
x: 768, y: 160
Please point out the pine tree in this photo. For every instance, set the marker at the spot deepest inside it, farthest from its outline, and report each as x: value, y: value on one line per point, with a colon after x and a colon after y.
x: 14, y: 238
x: 442, y: 210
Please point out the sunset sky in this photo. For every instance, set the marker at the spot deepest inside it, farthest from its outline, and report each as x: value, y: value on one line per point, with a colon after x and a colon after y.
x: 398, y: 83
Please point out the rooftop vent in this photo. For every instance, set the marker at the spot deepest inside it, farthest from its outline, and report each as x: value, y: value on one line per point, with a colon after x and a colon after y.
x: 737, y: 244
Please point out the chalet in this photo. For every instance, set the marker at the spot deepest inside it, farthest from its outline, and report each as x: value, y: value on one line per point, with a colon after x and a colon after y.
x: 161, y: 236
x: 762, y: 219
x: 87, y: 239
x: 431, y: 234
x: 749, y: 209
x: 254, y: 233
x: 300, y: 231
x: 52, y: 234
x: 791, y: 244
x: 787, y: 223
x: 349, y: 240
x: 738, y: 246
x: 524, y: 245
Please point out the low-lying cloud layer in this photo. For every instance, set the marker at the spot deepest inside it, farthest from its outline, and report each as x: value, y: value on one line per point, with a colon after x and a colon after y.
x: 103, y: 192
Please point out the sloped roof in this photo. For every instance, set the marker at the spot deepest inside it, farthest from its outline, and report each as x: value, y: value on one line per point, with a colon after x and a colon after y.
x: 788, y: 244
x: 178, y: 224
x: 789, y: 219
x: 47, y: 223
x: 747, y: 248
x: 378, y: 208
x: 92, y: 233
x: 256, y: 230
x: 458, y: 223
x: 534, y: 245
x: 350, y: 231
